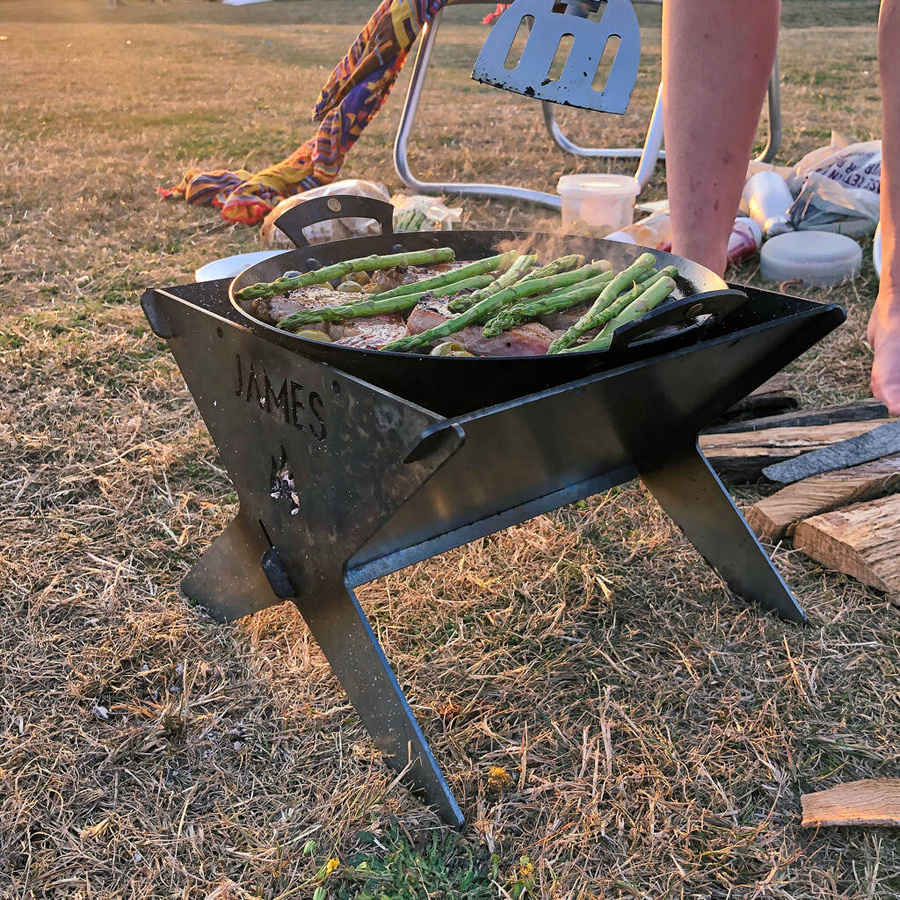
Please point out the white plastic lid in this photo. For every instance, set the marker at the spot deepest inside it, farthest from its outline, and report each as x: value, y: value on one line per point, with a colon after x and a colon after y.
x: 814, y: 257
x: 592, y: 185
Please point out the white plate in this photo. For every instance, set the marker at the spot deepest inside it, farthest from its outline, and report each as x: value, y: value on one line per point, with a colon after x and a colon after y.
x: 231, y: 266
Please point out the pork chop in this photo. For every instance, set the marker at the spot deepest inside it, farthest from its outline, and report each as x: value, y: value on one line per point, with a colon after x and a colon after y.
x: 530, y: 339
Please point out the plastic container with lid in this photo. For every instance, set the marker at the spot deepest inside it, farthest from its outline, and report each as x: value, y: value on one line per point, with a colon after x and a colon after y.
x: 814, y: 257
x: 598, y: 200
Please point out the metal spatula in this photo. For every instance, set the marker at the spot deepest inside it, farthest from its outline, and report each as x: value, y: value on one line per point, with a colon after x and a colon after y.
x: 549, y: 23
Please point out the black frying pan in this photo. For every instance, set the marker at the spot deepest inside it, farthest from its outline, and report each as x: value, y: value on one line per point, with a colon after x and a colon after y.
x: 456, y: 385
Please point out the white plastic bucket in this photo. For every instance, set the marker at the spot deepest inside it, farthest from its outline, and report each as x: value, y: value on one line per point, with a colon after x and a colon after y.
x: 598, y: 200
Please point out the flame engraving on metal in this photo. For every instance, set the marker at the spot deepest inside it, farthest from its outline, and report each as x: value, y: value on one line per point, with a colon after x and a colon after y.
x: 284, y: 486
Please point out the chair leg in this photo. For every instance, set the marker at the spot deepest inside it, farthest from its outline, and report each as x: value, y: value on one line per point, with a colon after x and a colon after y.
x: 407, y: 119
x: 647, y: 156
x: 651, y: 152
x: 773, y: 143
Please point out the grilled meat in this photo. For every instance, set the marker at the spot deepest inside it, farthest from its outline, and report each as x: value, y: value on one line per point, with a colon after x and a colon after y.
x: 428, y: 312
x: 274, y: 309
x: 530, y: 339
x: 387, y: 279
x: 370, y: 333
x: 564, y: 319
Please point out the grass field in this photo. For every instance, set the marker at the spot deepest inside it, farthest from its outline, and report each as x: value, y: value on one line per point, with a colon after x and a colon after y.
x: 656, y: 733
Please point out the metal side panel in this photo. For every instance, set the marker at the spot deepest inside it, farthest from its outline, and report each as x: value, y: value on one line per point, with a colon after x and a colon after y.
x: 318, y: 458
x: 528, y: 456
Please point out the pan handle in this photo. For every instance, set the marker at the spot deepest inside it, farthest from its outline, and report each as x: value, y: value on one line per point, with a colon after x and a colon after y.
x: 692, y: 313
x: 338, y: 206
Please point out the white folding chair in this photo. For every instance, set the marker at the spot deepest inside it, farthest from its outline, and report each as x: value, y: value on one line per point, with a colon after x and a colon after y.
x: 648, y: 155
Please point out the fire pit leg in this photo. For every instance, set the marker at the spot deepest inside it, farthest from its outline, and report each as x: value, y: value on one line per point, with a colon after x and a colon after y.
x: 341, y: 629
x: 692, y: 494
x: 228, y: 580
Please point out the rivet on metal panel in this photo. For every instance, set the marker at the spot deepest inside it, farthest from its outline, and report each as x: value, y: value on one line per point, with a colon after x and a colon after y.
x: 694, y: 310
x: 278, y: 578
x: 334, y: 204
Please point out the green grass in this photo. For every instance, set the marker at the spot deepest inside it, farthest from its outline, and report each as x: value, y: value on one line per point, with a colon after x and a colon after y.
x: 434, y: 865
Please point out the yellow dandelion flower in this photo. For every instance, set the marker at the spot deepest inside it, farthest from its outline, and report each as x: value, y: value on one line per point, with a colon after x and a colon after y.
x: 498, y: 778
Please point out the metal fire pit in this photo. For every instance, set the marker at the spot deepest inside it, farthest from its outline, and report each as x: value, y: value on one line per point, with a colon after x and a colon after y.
x: 343, y: 478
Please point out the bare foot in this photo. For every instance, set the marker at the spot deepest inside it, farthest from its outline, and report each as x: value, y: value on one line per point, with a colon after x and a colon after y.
x: 884, y: 337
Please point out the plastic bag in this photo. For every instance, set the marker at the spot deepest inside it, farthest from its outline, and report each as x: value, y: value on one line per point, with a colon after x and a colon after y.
x: 420, y: 213
x: 332, y: 229
x: 839, y: 188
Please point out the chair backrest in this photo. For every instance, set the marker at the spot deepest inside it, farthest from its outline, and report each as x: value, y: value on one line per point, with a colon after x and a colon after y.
x: 547, y: 23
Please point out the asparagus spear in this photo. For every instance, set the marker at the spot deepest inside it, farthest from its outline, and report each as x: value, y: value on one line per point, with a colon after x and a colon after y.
x: 562, y: 264
x: 559, y: 300
x: 263, y: 290
x: 479, y: 267
x: 622, y: 302
x: 484, y: 308
x: 625, y: 279
x: 374, y: 305
x: 648, y: 300
x: 519, y: 268
x: 513, y: 274
x: 565, y: 297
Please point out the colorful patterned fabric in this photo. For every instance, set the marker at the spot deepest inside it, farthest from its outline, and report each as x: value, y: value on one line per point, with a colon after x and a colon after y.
x: 490, y: 18
x: 356, y: 90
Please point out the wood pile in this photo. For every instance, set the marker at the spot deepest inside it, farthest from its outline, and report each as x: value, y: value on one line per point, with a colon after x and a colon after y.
x: 848, y: 518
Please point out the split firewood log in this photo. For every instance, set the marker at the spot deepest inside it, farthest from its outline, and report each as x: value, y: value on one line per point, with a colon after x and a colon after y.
x: 873, y: 801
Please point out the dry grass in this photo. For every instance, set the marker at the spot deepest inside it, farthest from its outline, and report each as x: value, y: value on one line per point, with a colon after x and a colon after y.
x: 656, y: 733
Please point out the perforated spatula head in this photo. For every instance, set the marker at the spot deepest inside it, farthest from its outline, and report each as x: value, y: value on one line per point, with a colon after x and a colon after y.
x: 616, y: 34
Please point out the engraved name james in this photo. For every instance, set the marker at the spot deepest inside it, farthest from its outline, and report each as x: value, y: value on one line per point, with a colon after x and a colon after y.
x: 282, y: 398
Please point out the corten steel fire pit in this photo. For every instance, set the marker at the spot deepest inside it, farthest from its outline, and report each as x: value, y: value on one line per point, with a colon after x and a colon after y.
x: 351, y: 464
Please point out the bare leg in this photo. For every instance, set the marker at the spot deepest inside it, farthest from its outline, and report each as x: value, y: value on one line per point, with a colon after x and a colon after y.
x: 884, y: 325
x: 717, y: 59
